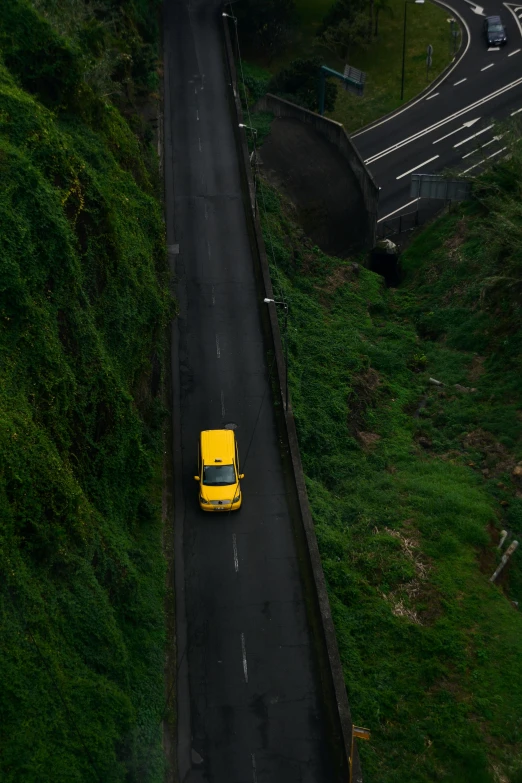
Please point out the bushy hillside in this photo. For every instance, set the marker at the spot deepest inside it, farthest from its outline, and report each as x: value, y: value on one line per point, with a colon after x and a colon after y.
x: 83, y: 309
x: 411, y: 483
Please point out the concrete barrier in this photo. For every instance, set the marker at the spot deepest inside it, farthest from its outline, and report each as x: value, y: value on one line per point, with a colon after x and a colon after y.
x: 330, y: 672
x: 335, y: 133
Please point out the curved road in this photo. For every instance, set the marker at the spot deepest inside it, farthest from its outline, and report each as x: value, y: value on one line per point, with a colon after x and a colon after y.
x: 454, y: 125
x: 249, y: 707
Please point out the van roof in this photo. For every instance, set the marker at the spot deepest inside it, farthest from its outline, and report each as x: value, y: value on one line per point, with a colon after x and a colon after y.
x: 217, y: 444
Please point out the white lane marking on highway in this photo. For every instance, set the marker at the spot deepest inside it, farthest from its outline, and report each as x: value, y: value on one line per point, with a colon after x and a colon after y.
x: 478, y: 133
x: 254, y: 769
x: 515, y: 112
x: 467, y: 124
x: 199, y: 140
x: 234, y: 547
x: 477, y: 9
x: 213, y: 295
x: 486, y: 67
x: 218, y: 349
x: 243, y: 653
x: 416, y: 168
x: 397, y: 210
x: 432, y: 96
x: 481, y: 161
x: 440, y: 123
x: 197, y: 114
x: 465, y: 79
x: 222, y: 404
x: 515, y: 52
x: 491, y: 141
x: 437, y: 84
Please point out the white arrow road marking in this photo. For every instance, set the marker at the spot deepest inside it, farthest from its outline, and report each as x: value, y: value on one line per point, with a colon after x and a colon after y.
x: 416, y: 168
x: 440, y: 123
x: 477, y: 9
x: 467, y: 124
x: 474, y: 135
x: 480, y: 161
x: 491, y: 141
x: 399, y: 209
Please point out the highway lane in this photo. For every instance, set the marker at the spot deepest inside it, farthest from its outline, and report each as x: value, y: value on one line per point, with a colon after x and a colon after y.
x: 252, y: 709
x: 485, y: 86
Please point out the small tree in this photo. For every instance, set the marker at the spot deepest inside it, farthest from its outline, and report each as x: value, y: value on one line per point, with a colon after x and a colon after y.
x: 340, y: 39
x: 265, y: 24
x: 381, y: 5
x: 299, y: 82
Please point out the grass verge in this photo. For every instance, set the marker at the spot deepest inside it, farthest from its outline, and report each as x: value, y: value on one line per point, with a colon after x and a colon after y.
x: 409, y: 485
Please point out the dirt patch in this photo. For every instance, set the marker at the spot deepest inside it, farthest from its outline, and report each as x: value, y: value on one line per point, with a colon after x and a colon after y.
x: 362, y: 396
x: 458, y: 238
x: 496, y: 459
x: 317, y: 179
x: 476, y: 368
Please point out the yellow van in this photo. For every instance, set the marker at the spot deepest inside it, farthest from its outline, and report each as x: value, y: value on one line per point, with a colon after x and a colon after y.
x: 218, y: 467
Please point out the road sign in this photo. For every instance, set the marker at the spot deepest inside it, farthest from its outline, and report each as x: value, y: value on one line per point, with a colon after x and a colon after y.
x: 436, y: 187
x: 429, y: 50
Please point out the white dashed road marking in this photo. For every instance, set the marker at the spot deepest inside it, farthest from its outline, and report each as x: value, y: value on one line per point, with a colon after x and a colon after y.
x: 236, y: 558
x: 465, y: 79
x: 432, y: 96
x: 486, y: 67
x: 515, y: 52
x: 243, y: 653
x: 480, y: 161
x: 479, y: 133
x: 218, y: 349
x: 399, y: 209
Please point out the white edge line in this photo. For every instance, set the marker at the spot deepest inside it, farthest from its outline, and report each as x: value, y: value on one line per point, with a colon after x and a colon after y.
x: 397, y: 210
x: 243, y: 653
x: 437, y: 84
x: 416, y: 168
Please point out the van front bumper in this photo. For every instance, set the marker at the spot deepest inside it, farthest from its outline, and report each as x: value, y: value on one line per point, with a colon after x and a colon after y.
x: 223, y: 507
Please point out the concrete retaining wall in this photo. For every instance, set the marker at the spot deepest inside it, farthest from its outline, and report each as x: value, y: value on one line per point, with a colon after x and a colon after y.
x: 330, y: 674
x: 336, y: 134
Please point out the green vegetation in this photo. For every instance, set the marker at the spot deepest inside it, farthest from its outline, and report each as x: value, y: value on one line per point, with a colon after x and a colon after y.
x: 411, y: 483
x: 83, y: 307
x: 380, y: 57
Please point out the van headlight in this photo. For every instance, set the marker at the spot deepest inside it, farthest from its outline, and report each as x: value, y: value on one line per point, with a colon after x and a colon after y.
x: 237, y: 497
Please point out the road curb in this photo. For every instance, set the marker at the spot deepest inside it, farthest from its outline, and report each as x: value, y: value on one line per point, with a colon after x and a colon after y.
x: 433, y: 86
x: 333, y: 689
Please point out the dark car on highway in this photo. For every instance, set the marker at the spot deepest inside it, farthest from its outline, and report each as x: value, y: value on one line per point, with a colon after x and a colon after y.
x: 494, y: 31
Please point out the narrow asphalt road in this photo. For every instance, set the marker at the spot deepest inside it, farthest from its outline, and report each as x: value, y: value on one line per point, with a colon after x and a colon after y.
x: 250, y: 708
x: 454, y: 126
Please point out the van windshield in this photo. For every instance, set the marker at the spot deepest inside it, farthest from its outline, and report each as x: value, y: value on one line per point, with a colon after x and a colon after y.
x: 218, y: 475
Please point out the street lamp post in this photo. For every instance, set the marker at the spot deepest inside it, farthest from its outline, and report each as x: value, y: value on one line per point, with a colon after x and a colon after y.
x: 285, y: 332
x: 406, y: 3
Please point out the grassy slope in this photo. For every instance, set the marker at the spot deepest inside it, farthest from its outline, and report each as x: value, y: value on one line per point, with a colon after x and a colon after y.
x: 382, y: 60
x: 432, y: 653
x: 83, y: 304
